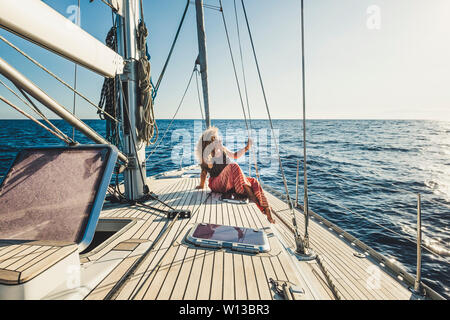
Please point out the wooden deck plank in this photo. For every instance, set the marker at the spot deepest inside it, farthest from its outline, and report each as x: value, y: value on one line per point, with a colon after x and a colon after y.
x: 6, y: 247
x: 17, y: 251
x: 239, y: 285
x: 345, y: 292
x: 137, y: 281
x: 154, y: 221
x: 28, y: 257
x: 154, y: 224
x: 37, y: 258
x: 250, y: 278
x: 163, y: 273
x: 269, y: 272
x: 174, y: 270
x: 105, y: 286
x: 217, y: 278
x: 239, y: 277
x: 197, y: 263
x: 262, y: 281
x: 355, y: 268
x: 170, y: 274
x: 184, y: 273
x: 152, y: 279
x: 204, y: 288
x: 22, y: 256
x: 185, y: 269
x: 352, y: 268
x: 217, y: 270
x: 228, y: 277
x: 228, y: 264
x: 47, y: 262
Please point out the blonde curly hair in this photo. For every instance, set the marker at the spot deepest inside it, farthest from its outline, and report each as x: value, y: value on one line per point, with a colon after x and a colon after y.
x: 206, y: 137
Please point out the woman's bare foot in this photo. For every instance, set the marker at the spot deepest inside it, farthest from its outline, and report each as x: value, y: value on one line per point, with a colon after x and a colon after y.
x: 268, y: 213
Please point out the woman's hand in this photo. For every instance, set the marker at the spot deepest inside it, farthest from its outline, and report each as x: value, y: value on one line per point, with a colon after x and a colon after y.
x: 199, y: 187
x: 249, y: 144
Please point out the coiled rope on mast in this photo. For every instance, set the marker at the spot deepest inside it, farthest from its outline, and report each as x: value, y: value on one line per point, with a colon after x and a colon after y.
x: 147, y: 129
x: 108, y: 96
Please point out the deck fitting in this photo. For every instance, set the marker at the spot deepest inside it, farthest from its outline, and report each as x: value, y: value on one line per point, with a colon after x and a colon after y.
x: 303, y: 252
x: 309, y: 255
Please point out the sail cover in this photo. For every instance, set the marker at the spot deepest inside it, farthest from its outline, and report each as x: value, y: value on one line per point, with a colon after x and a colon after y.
x: 56, y: 193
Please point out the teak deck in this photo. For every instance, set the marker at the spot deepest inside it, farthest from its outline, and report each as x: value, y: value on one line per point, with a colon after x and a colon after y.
x: 148, y: 257
x: 21, y: 261
x: 174, y: 269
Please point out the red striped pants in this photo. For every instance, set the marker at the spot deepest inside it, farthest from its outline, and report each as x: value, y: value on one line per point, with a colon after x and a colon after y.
x: 233, y: 177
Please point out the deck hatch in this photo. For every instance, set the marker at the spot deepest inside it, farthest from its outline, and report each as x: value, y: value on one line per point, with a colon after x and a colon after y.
x: 223, y: 236
x: 56, y: 193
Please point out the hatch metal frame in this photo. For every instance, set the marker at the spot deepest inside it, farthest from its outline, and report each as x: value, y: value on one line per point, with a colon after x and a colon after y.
x: 239, y: 246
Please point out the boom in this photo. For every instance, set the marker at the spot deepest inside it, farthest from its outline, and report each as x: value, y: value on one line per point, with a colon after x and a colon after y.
x: 39, y: 23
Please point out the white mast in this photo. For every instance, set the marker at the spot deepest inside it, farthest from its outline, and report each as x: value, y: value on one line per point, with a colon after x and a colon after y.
x: 133, y: 146
x: 202, y: 57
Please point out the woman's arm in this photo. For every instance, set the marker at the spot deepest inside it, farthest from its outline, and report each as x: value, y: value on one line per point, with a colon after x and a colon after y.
x: 202, y: 179
x: 240, y: 153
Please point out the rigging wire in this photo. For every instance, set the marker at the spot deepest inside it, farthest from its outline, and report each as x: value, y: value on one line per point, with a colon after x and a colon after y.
x: 208, y: 6
x: 234, y: 67
x: 197, y: 72
x: 75, y: 73
x: 161, y: 76
x: 33, y: 107
x: 34, y: 120
x: 305, y: 172
x: 249, y: 129
x: 173, y: 117
x: 36, y: 109
x: 56, y: 77
x: 108, y: 4
x: 376, y: 223
x: 283, y: 176
x: 74, y: 97
x: 141, y: 5
x: 377, y: 186
x: 252, y: 152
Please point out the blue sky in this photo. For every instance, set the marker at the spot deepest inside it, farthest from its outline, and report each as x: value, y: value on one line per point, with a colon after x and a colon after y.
x: 399, y: 70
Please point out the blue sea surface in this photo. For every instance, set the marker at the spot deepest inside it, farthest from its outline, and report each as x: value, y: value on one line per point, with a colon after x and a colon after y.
x: 363, y: 175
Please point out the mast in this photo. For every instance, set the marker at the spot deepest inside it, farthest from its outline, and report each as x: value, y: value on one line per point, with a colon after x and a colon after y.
x: 133, y: 146
x: 201, y: 60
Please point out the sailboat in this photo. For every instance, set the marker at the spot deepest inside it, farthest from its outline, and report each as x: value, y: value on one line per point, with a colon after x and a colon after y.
x: 63, y: 238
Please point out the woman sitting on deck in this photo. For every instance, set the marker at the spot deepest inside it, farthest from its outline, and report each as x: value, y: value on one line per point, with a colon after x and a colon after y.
x: 226, y: 175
